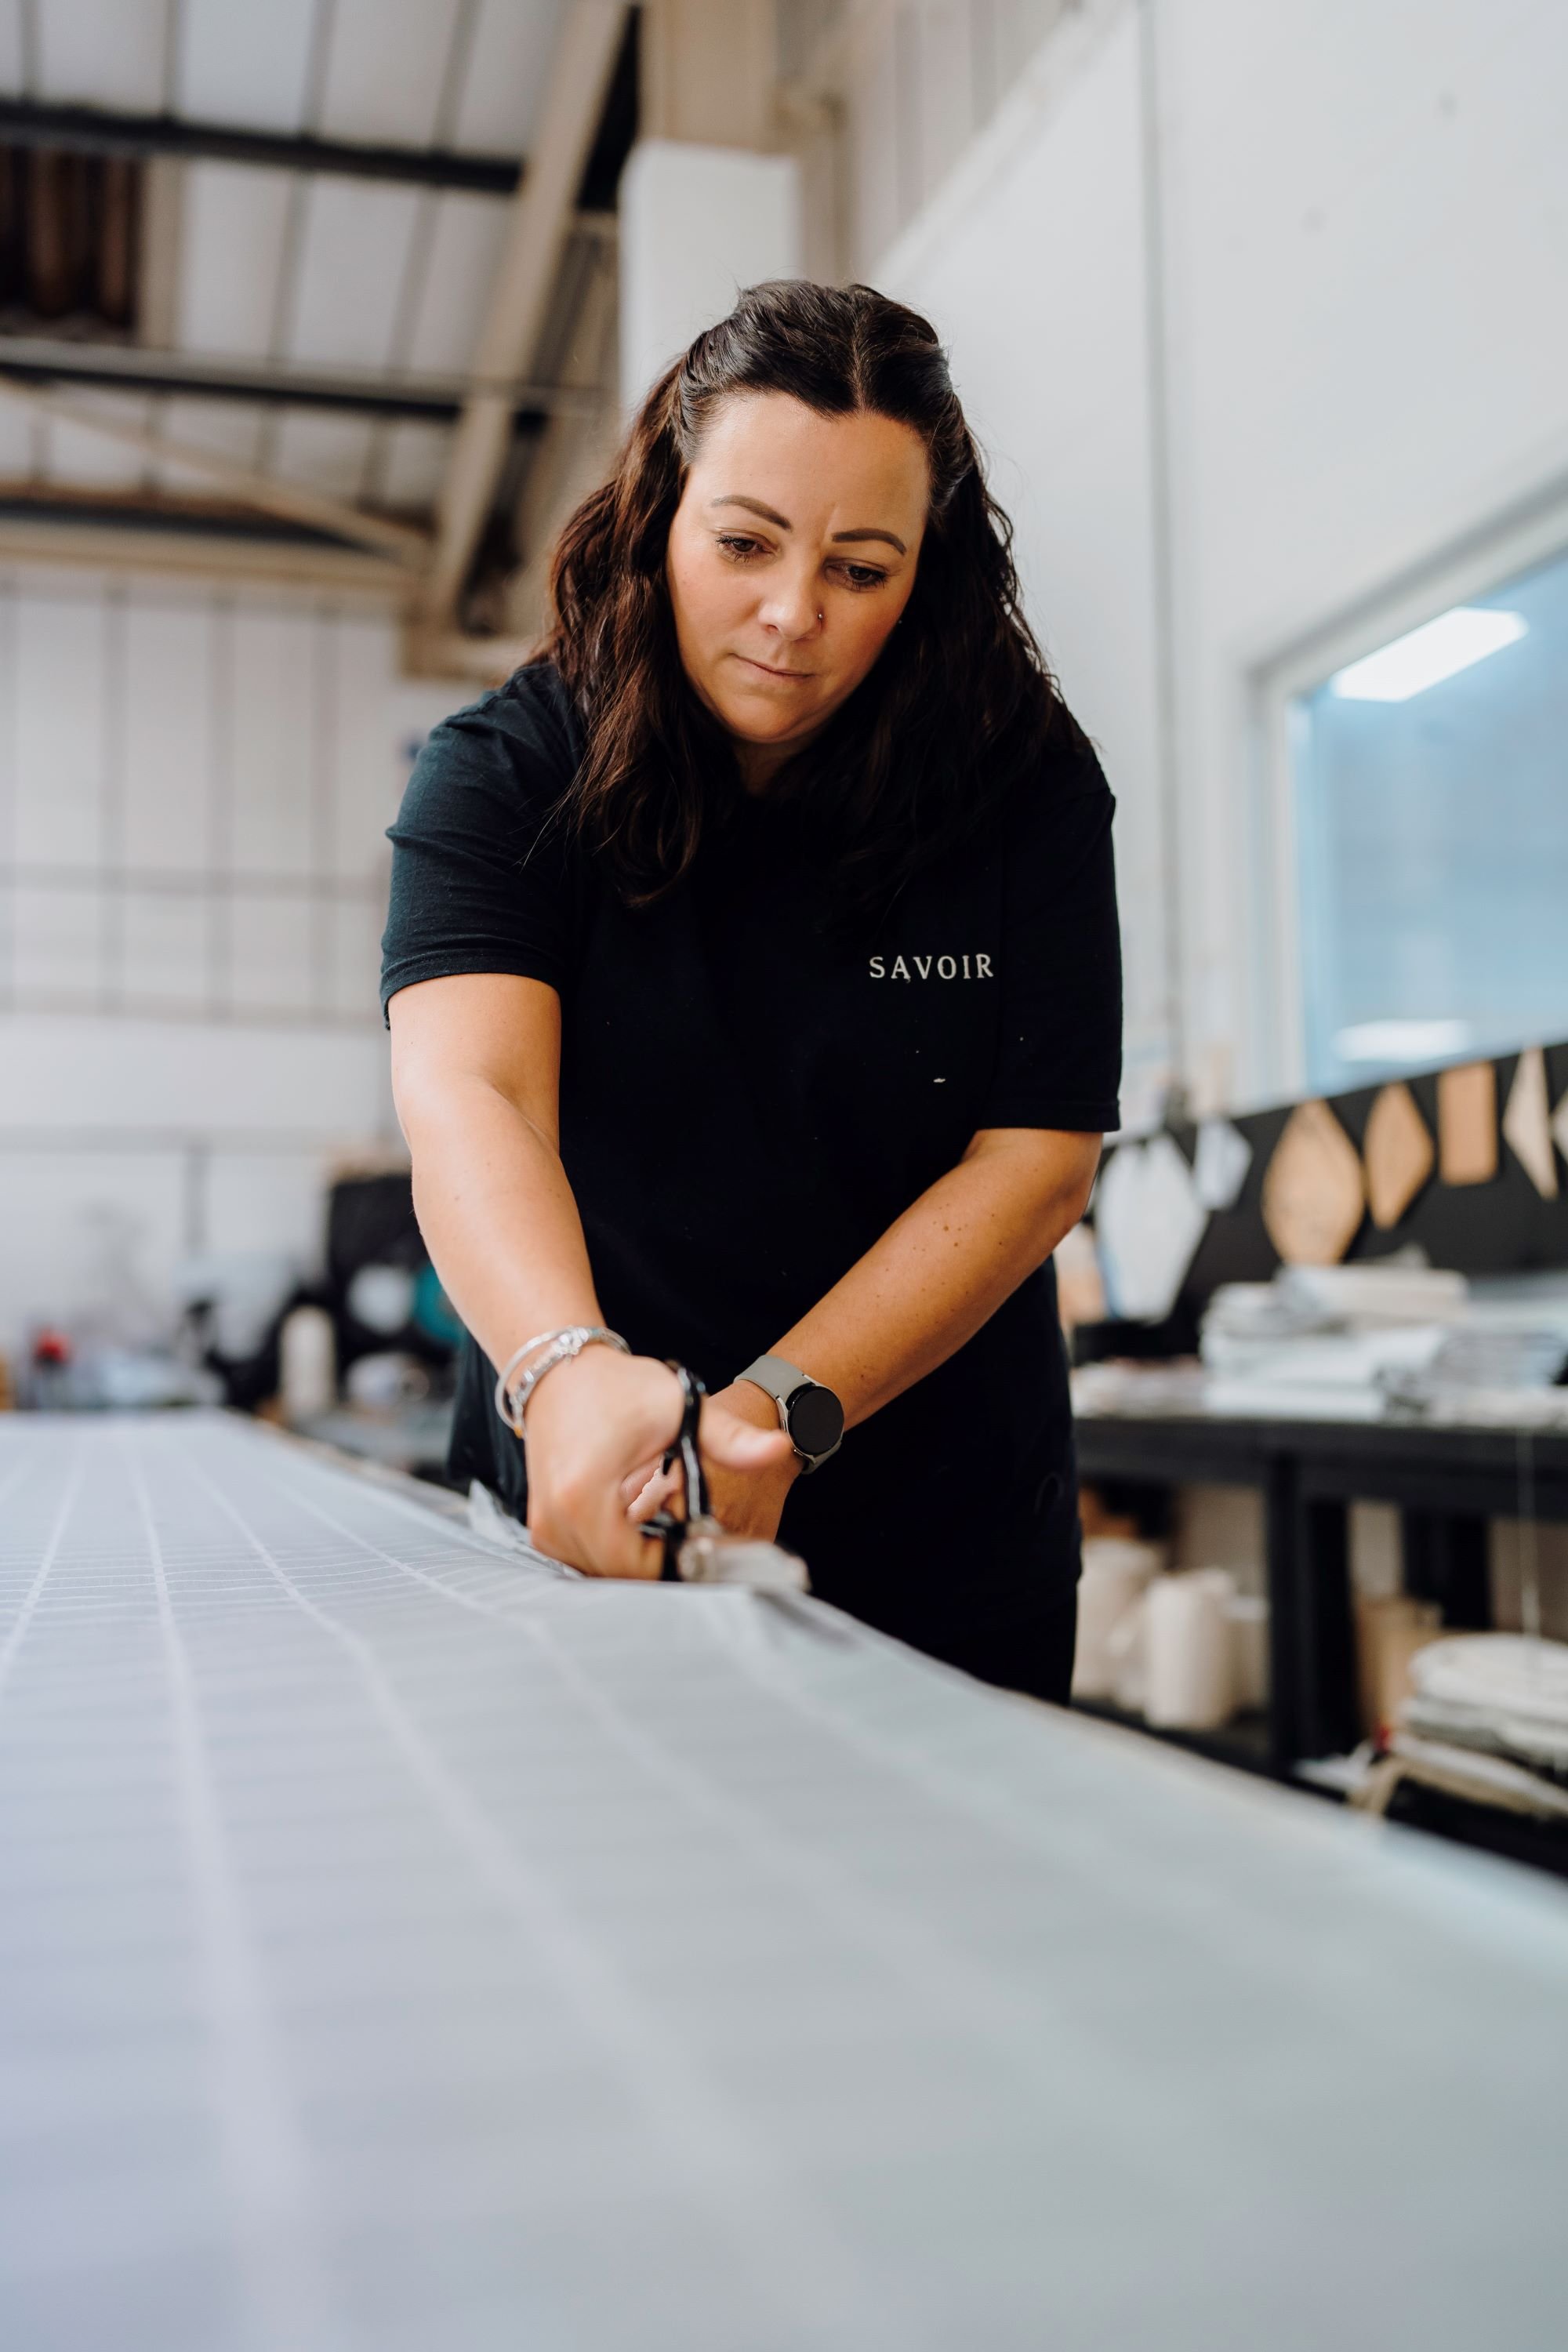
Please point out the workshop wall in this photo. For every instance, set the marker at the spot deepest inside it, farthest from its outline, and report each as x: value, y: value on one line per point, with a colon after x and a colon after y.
x: 193, y: 796
x: 1288, y: 280
x: 1499, y: 1224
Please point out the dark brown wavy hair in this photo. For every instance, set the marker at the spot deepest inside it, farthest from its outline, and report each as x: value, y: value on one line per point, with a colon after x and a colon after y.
x: 951, y: 720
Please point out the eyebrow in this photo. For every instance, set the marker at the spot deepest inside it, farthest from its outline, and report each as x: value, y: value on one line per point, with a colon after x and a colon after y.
x: 839, y: 537
x: 770, y: 514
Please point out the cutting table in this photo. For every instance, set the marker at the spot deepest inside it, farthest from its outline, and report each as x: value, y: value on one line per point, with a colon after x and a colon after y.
x: 401, y: 1946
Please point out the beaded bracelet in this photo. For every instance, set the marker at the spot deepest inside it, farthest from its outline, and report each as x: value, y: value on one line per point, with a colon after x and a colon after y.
x: 559, y: 1347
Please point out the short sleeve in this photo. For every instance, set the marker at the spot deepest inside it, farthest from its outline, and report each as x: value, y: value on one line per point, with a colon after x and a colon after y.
x: 1060, y: 1057
x: 481, y: 868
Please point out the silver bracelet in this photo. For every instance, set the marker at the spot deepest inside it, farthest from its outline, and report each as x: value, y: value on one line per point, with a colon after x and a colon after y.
x: 559, y: 1347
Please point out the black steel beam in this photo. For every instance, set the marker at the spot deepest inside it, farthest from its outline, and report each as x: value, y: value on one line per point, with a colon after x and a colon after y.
x: 122, y: 368
x: 130, y: 515
x: 93, y: 130
x: 233, y: 383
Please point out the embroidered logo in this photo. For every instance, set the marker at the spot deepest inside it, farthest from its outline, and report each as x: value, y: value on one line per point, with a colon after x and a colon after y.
x: 944, y: 967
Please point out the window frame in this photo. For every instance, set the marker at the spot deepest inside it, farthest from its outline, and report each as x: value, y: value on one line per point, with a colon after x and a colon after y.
x: 1485, y: 563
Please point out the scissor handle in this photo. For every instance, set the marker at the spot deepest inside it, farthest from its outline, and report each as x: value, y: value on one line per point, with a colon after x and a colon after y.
x: 664, y: 1525
x: 692, y: 1393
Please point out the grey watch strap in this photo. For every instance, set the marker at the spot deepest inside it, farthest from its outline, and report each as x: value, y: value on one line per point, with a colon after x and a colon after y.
x: 781, y: 1380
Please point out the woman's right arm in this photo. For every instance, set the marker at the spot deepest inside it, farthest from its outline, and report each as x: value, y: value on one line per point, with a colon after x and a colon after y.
x: 475, y: 1061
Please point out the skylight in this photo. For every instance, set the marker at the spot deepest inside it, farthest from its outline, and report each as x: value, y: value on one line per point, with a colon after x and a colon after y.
x: 1396, y: 1042
x: 1438, y: 649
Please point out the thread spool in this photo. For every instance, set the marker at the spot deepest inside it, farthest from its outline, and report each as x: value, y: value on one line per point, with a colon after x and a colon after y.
x: 1189, y: 1681
x: 307, y: 1364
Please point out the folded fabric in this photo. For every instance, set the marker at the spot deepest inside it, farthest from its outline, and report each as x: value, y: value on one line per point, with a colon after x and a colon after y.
x: 1503, y: 1692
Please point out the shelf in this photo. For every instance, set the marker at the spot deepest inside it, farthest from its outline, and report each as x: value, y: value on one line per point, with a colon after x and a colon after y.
x: 1244, y: 1742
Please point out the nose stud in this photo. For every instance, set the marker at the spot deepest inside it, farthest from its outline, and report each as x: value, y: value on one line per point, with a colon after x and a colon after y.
x: 819, y: 616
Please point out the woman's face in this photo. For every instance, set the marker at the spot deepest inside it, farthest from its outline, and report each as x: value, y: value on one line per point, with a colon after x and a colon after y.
x: 791, y: 556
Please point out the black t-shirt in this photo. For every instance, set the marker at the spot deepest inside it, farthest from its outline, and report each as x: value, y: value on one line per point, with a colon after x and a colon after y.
x: 750, y: 1096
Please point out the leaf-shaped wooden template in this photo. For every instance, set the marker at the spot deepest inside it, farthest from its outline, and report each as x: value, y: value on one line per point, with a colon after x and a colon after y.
x: 1398, y: 1154
x: 1466, y: 1124
x: 1313, y: 1196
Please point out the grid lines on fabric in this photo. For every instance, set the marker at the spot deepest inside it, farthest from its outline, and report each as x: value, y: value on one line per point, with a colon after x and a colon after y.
x: 399, y: 1945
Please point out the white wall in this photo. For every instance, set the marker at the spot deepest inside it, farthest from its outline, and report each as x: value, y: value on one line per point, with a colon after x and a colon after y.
x: 193, y: 794
x: 1361, y: 252
x: 916, y: 80
x: 1031, y: 266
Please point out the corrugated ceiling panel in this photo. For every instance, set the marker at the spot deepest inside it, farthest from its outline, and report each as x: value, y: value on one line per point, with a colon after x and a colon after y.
x: 507, y: 66
x: 240, y: 62
x: 230, y: 256
x: 414, y: 462
x: 11, y: 50
x: 353, y: 254
x: 73, y: 455
x: 225, y: 426
x: 465, y: 255
x: 386, y: 66
x: 324, y: 451
x: 105, y: 52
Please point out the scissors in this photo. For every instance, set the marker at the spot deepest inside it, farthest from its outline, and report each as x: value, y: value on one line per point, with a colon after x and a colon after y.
x: 697, y: 1548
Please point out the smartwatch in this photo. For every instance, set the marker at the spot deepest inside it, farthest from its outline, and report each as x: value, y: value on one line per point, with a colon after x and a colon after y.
x: 811, y: 1415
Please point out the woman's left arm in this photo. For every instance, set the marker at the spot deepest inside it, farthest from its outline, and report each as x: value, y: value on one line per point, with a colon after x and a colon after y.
x: 937, y: 1274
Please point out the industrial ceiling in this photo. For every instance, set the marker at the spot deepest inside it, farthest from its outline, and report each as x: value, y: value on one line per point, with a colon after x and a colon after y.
x: 281, y: 240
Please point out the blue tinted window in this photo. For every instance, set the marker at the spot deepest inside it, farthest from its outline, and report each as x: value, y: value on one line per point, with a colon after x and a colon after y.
x: 1432, y: 784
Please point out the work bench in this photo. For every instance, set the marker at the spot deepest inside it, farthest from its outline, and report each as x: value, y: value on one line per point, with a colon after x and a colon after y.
x: 404, y: 1945
x: 1447, y: 1480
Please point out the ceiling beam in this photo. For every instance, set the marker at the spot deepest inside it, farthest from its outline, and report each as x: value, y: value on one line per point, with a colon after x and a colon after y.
x: 709, y: 71
x: 489, y: 661
x: 101, y: 546
x: 574, y: 99
x: 572, y: 455
x: 393, y: 397
x: 289, y: 499
x: 95, y: 130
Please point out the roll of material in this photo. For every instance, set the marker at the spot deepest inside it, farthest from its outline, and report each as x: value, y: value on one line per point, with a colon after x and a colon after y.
x: 308, y: 1368
x: 1117, y: 1573
x: 1189, y: 1671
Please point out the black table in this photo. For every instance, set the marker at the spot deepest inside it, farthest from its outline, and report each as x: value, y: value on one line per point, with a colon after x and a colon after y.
x: 1446, y: 1481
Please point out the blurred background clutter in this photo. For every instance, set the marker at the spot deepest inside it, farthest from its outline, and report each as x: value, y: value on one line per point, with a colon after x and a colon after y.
x: 316, y: 320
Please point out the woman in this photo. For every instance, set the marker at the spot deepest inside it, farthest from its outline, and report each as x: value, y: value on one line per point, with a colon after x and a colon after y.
x: 755, y: 993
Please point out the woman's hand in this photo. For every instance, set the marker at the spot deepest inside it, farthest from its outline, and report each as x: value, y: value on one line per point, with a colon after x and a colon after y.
x: 594, y: 1424
x: 747, y: 1496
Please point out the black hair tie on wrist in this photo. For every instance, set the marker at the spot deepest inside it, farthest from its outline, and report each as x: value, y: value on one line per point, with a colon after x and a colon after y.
x: 664, y: 1526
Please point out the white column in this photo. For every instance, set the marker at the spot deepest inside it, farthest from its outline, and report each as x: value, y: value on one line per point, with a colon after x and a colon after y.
x: 697, y: 223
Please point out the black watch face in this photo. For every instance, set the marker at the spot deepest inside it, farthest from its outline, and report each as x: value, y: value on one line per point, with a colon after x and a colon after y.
x: 815, y: 1421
